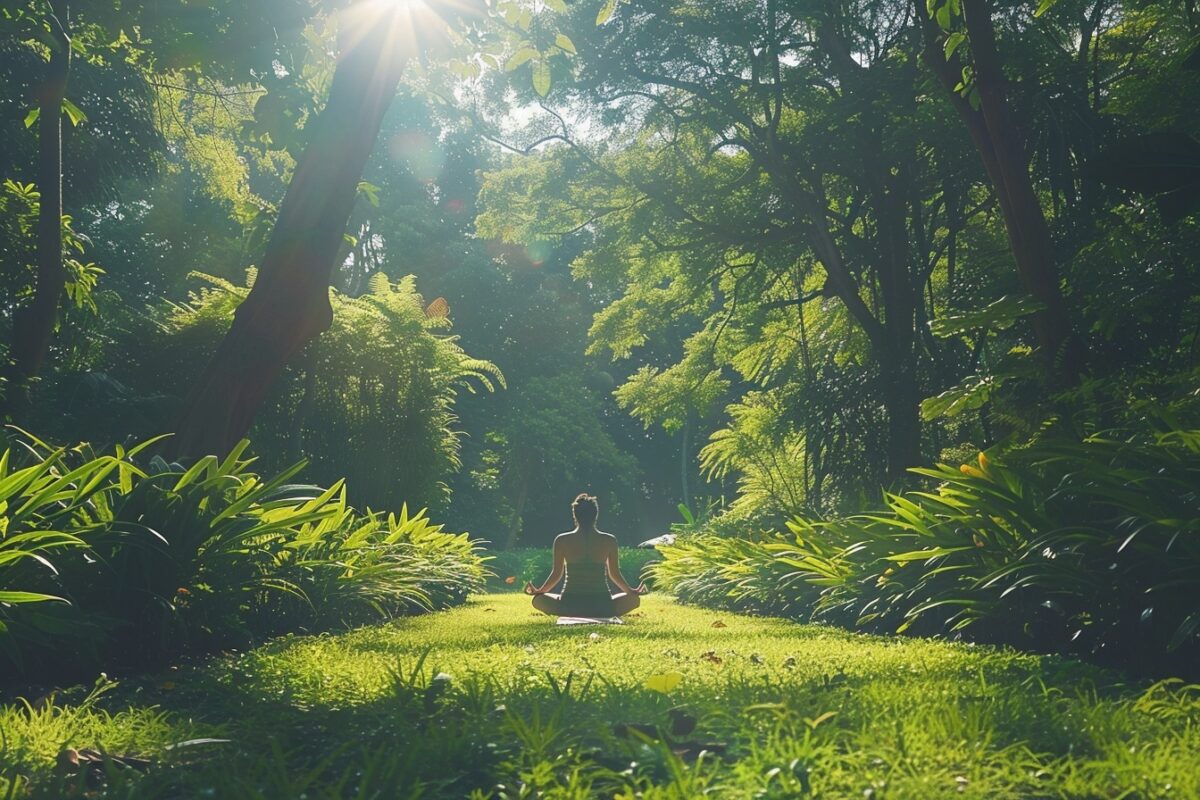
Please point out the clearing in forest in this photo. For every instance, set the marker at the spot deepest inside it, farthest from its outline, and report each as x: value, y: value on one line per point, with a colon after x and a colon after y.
x: 493, y: 700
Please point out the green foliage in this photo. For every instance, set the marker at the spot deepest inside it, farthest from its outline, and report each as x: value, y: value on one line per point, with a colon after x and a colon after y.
x: 997, y: 315
x: 370, y: 401
x: 115, y: 562
x: 1075, y: 546
x: 19, y: 204
x: 770, y: 457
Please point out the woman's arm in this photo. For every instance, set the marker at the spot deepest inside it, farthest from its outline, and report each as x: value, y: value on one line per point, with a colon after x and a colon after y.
x: 557, y: 570
x: 614, y: 573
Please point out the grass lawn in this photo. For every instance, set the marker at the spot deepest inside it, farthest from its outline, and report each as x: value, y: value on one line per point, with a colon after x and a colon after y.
x: 490, y: 700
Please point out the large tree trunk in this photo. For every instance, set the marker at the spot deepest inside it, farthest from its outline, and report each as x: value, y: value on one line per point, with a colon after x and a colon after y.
x: 289, y: 303
x: 901, y: 400
x: 896, y: 352
x: 33, y: 324
x: 514, y: 529
x: 1002, y: 149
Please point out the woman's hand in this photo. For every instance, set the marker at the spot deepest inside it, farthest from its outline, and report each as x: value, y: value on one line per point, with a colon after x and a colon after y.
x: 529, y: 588
x: 641, y: 589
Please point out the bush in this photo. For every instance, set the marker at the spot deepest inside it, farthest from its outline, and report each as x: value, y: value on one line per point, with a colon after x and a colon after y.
x: 106, y: 562
x: 382, y: 381
x: 1088, y: 547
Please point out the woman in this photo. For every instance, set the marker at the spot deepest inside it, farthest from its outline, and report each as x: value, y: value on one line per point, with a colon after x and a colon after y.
x: 585, y: 556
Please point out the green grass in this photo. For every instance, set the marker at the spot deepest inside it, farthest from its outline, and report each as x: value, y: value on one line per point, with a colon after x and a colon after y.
x: 491, y: 700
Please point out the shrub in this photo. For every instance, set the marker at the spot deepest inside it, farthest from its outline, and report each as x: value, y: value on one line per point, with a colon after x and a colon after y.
x: 382, y: 381
x: 1091, y: 547
x: 105, y: 562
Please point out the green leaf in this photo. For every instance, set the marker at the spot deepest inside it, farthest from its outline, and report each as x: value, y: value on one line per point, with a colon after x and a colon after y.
x: 541, y: 77
x: 972, y: 392
x: 953, y: 42
x: 32, y: 117
x: 369, y: 191
x: 1186, y: 630
x: 973, y: 98
x: 555, y: 5
x: 464, y: 69
x: 520, y: 57
x: 998, y: 315
x: 943, y: 17
x: 73, y: 112
x: 27, y: 597
x: 563, y: 42
x: 606, y: 12
x: 1044, y: 6
x: 924, y: 555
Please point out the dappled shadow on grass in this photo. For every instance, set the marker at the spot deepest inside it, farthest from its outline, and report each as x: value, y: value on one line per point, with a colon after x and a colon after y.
x: 476, y: 698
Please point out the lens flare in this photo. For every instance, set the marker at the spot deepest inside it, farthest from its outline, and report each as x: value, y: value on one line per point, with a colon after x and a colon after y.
x: 416, y: 29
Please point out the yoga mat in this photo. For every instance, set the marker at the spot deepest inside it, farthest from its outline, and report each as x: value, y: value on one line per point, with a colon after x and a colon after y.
x: 590, y: 621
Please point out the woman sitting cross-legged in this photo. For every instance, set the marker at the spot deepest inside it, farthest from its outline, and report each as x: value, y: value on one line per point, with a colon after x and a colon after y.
x: 586, y: 557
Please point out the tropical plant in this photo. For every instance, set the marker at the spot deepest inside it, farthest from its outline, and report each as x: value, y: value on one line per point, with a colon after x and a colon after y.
x: 104, y: 561
x: 371, y: 401
x: 1087, y: 546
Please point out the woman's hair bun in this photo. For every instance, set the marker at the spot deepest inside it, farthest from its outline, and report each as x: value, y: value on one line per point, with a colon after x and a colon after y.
x: 585, y: 508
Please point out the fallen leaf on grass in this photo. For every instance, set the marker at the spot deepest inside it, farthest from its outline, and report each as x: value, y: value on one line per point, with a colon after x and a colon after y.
x: 510, y: 580
x: 719, y: 624
x: 664, y: 682
x: 712, y: 657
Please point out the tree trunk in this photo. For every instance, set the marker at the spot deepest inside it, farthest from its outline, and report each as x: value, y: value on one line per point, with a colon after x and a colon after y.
x: 684, y: 461
x: 289, y: 303
x: 896, y: 353
x: 514, y: 530
x: 1002, y: 149
x: 901, y: 400
x: 33, y: 324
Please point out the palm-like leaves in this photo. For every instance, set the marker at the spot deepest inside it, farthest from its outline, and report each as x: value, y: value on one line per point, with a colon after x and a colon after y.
x: 102, y: 559
x: 1091, y: 546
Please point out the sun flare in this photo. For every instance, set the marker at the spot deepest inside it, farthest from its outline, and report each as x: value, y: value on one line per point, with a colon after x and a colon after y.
x: 415, y: 29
